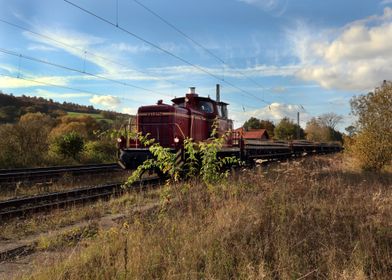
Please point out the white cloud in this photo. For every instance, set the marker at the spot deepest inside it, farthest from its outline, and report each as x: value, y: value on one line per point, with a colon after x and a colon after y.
x: 108, y: 101
x: 386, y: 2
x: 11, y: 82
x: 274, y: 112
x: 133, y: 49
x: 36, y: 47
x: 96, y: 50
x: 9, y: 68
x: 358, y: 58
x: 130, y: 111
x: 279, y: 89
x: 275, y: 7
x: 174, y: 72
x: 67, y: 95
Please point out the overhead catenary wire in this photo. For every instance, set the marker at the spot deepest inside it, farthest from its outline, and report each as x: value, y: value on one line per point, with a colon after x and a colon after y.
x: 201, y: 69
x: 78, y: 71
x: 20, y: 77
x: 83, y: 51
x: 212, y: 54
x: 48, y: 84
x: 86, y: 52
x: 195, y: 42
x: 37, y: 60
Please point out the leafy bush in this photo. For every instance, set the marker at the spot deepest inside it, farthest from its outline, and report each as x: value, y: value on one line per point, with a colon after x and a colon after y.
x: 69, y: 145
x: 99, y: 151
x: 201, y: 160
x: 372, y: 145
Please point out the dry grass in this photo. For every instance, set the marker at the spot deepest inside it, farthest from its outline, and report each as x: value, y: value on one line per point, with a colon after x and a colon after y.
x: 311, y: 219
x: 20, y: 228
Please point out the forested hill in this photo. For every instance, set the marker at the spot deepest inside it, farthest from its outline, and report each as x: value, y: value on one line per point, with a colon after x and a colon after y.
x: 12, y: 107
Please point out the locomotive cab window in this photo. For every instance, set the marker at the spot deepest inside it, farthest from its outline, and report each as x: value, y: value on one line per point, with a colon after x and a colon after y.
x: 222, y: 110
x: 182, y: 104
x: 205, y: 107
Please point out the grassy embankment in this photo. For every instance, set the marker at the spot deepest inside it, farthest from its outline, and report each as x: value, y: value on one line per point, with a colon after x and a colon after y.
x: 314, y: 219
x: 98, y: 117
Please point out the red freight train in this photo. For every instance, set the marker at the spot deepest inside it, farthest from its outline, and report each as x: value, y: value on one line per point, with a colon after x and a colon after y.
x: 192, y: 116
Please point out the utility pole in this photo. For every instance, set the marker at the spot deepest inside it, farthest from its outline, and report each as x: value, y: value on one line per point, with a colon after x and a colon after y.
x: 298, y: 127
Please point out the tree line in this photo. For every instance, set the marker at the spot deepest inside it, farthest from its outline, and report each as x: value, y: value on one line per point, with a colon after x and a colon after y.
x: 321, y: 129
x: 39, y: 139
x: 13, y: 107
x: 368, y: 139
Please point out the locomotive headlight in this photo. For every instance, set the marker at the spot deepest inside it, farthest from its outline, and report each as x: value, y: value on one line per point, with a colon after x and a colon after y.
x: 176, y: 140
x: 119, y: 140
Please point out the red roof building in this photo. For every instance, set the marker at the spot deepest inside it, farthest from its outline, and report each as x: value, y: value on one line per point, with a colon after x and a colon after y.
x: 254, y: 134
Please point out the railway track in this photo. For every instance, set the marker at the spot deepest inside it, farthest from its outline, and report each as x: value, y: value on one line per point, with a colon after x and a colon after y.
x: 17, y: 175
x: 26, y: 205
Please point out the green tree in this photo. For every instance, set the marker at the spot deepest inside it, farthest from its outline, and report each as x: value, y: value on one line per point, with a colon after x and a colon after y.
x: 373, y: 142
x: 69, y: 145
x: 287, y: 130
x: 254, y: 123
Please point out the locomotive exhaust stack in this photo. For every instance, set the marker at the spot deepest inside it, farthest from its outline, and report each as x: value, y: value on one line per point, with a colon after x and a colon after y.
x: 217, y: 92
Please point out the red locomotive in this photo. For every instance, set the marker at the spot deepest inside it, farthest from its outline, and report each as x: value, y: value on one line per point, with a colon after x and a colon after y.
x: 192, y: 116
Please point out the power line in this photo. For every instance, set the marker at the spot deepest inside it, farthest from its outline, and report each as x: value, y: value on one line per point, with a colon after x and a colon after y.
x: 194, y: 41
x: 61, y: 86
x: 162, y: 49
x: 78, y: 71
x: 80, y: 49
x: 19, y: 55
x: 49, y: 84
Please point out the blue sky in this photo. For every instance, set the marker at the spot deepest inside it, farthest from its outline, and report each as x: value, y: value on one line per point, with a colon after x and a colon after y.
x: 272, y: 57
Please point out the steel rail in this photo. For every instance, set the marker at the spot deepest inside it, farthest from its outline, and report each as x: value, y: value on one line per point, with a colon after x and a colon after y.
x: 12, y: 175
x: 21, y: 206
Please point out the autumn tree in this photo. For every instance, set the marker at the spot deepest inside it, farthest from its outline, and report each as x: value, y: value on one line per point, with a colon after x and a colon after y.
x: 322, y: 128
x: 373, y: 141
x: 286, y: 129
x: 25, y: 143
x: 330, y: 120
x: 316, y: 132
x: 83, y: 125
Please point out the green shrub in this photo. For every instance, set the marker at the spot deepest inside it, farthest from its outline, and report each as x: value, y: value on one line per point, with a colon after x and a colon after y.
x: 99, y: 151
x: 69, y: 145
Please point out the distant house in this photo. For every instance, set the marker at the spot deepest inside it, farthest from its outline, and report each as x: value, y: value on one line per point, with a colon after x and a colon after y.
x: 254, y: 134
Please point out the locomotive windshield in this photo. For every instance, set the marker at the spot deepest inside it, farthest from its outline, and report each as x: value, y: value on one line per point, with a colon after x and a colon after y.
x: 205, y: 106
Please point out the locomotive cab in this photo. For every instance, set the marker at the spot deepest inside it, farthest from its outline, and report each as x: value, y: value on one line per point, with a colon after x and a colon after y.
x: 203, y: 112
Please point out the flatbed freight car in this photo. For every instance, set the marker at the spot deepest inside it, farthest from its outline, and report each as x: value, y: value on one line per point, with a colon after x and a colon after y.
x: 194, y: 117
